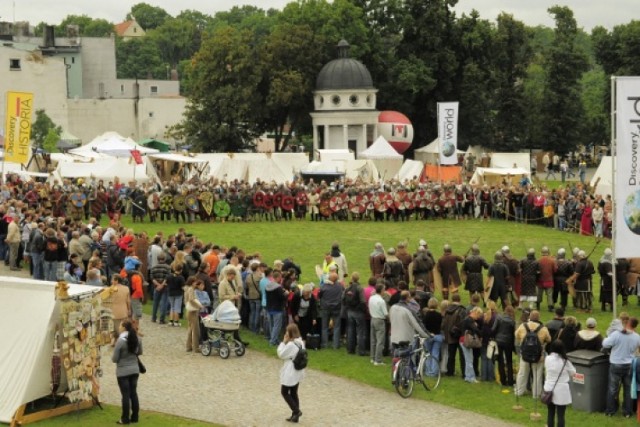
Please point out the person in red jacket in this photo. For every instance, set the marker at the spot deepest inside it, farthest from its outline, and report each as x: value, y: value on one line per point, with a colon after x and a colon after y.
x: 548, y: 267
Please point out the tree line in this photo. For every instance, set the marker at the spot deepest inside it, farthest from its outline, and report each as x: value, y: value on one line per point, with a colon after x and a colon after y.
x: 249, y: 71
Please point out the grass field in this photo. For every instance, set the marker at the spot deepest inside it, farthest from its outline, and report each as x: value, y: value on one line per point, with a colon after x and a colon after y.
x: 308, y: 241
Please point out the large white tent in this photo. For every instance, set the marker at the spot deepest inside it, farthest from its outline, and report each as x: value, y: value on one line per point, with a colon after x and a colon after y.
x: 384, y: 156
x: 511, y: 160
x: 325, y: 155
x: 111, y: 143
x: 602, y: 179
x: 219, y: 163
x: 25, y: 356
x: 430, y: 153
x: 494, y: 176
x: 409, y: 170
x: 266, y: 170
x: 107, y: 169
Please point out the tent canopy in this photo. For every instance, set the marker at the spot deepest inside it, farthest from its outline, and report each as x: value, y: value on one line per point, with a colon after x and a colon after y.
x: 494, y: 176
x: 380, y: 149
x: 430, y: 153
x: 157, y: 144
x: 410, y: 168
x: 173, y: 157
x: 334, y: 154
x: 111, y: 143
x: 26, y: 364
x: 511, y: 160
x: 602, y: 177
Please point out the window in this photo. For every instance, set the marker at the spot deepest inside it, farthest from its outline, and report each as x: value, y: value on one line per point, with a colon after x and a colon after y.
x: 73, y: 60
x: 14, y: 64
x: 150, y: 114
x: 153, y: 90
x: 122, y: 89
x: 335, y: 100
x: 353, y: 99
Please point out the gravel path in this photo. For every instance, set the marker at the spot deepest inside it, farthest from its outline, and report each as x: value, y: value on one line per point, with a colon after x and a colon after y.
x: 244, y: 391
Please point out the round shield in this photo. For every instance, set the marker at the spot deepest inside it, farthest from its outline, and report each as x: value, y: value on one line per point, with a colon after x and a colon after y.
x: 277, y: 200
x: 380, y: 206
x: 238, y: 208
x: 353, y: 205
x: 258, y: 199
x: 221, y: 208
x: 78, y: 199
x: 325, y: 209
x: 166, y: 202
x: 206, y: 198
x: 388, y: 200
x: 334, y: 203
x: 302, y: 198
x: 288, y: 203
x: 267, y: 202
x: 192, y: 202
x: 179, y: 203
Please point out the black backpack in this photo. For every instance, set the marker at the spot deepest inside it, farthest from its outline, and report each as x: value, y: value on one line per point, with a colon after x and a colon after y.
x: 302, y: 358
x: 531, y: 348
x: 352, y: 297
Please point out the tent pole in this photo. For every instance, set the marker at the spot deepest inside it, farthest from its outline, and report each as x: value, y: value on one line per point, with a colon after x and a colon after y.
x: 613, y: 198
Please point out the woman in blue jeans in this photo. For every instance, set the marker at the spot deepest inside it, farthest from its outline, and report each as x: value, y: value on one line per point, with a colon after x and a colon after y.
x: 125, y: 354
x: 470, y: 325
x: 432, y: 320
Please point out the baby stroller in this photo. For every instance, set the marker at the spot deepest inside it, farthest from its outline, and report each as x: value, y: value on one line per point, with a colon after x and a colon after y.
x: 220, y: 326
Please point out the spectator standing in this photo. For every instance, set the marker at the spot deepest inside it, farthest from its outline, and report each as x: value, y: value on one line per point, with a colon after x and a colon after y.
x: 330, y: 296
x: 589, y: 338
x: 276, y: 302
x: 353, y: 300
x: 290, y: 377
x: 125, y: 354
x: 379, y: 314
x: 559, y: 371
x: 158, y: 275
x: 535, y: 367
x: 504, y: 332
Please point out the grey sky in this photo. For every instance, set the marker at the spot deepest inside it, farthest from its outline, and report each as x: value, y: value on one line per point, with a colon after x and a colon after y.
x: 589, y: 13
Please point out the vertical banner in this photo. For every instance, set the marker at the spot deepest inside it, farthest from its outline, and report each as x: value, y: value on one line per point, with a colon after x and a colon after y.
x: 17, y: 135
x: 448, y: 132
x: 627, y: 168
x: 137, y: 157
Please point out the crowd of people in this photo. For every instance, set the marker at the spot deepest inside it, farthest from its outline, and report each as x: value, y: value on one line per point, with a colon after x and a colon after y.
x: 405, y: 293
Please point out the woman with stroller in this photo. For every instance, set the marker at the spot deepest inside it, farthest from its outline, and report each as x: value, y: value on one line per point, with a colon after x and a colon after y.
x: 290, y: 377
x: 193, y: 306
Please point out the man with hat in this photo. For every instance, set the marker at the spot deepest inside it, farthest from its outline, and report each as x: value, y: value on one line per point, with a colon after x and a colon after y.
x: 548, y: 267
x: 590, y: 338
x: 447, y: 266
x: 514, y: 283
x: 472, y: 268
x: 563, y: 271
x: 605, y: 269
x: 530, y: 272
x: 585, y: 270
x: 500, y: 274
x: 393, y: 270
x: 376, y: 260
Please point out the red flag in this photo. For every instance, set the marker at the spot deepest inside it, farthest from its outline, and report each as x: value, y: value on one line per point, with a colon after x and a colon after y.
x: 136, y: 156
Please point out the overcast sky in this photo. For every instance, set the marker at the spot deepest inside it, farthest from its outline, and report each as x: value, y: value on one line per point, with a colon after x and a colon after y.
x: 589, y: 13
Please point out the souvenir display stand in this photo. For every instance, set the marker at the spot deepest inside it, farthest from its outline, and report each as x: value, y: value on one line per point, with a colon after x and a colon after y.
x: 57, y: 349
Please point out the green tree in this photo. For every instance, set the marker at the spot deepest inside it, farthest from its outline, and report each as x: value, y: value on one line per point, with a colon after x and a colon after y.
x: 87, y: 26
x: 51, y: 141
x: 511, y: 57
x: 177, y: 39
x: 225, y: 109
x: 139, y: 58
x: 149, y: 17
x: 563, y: 110
x: 41, y: 127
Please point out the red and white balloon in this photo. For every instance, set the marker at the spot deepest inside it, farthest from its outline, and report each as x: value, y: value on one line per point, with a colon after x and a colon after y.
x: 397, y: 129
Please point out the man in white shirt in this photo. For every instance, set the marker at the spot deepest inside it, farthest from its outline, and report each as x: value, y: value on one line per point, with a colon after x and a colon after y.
x: 378, y: 312
x: 623, y: 345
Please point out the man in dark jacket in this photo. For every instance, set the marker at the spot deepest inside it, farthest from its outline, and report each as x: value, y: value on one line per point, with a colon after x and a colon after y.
x: 499, y: 272
x: 453, y: 317
x: 447, y: 266
x: 115, y: 257
x: 330, y: 296
x: 353, y: 300
x: 472, y: 267
x: 158, y: 275
x: 276, y: 302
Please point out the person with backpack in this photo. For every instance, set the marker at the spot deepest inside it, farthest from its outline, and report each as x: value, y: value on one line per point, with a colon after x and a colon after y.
x: 451, y: 321
x: 531, y: 336
x: 294, y: 354
x: 353, y: 300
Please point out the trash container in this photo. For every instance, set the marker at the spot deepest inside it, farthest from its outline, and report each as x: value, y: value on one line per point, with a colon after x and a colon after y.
x: 589, y: 384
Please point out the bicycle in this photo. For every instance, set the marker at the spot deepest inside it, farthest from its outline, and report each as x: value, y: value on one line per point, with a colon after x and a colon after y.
x: 406, y: 372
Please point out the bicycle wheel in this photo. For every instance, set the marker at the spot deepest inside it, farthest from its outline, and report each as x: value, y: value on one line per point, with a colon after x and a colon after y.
x: 404, y: 379
x: 430, y: 373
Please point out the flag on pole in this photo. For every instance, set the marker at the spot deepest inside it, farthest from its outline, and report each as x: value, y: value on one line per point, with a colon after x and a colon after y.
x: 18, y: 127
x: 448, y: 132
x: 137, y: 157
x: 626, y: 168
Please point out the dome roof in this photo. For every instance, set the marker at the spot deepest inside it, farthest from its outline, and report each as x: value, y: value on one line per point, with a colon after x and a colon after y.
x: 344, y: 72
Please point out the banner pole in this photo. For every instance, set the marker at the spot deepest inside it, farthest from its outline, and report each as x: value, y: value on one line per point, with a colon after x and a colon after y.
x: 613, y: 198
x: 6, y: 131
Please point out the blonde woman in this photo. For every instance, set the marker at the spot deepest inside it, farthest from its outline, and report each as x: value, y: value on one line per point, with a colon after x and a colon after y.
x: 193, y: 307
x: 290, y: 377
x: 487, y: 366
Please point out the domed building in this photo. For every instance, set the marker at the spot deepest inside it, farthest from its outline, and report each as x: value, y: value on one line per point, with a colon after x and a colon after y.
x: 345, y: 115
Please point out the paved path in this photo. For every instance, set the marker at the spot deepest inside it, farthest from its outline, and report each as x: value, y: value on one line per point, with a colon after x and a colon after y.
x: 245, y: 391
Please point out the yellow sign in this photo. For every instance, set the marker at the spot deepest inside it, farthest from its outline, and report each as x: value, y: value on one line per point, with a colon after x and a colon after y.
x: 17, y: 134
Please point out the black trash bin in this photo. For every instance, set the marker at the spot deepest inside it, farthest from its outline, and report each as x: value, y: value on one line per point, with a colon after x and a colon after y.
x: 589, y: 384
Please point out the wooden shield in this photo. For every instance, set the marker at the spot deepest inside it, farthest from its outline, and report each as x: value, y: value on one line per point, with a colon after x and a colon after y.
x: 166, y: 202
x: 288, y: 203
x: 206, y: 198
x: 191, y: 200
x: 222, y: 209
x: 179, y: 203
x: 487, y: 289
x: 258, y: 199
x: 437, y: 280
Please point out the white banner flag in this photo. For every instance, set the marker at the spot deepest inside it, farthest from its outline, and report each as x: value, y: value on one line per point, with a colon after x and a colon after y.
x: 448, y: 132
x: 627, y: 168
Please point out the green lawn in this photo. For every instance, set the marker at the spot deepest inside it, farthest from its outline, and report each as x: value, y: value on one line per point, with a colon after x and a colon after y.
x: 307, y: 241
x: 107, y: 417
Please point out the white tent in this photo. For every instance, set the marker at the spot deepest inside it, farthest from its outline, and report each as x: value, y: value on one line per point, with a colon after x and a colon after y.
x: 410, y: 169
x: 266, y: 170
x: 493, y: 176
x: 25, y: 356
x: 107, y: 169
x: 602, y: 177
x: 511, y: 160
x: 111, y: 143
x: 430, y: 153
x: 384, y: 156
x: 334, y: 154
x: 327, y: 166
x: 365, y: 170
x: 232, y: 169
